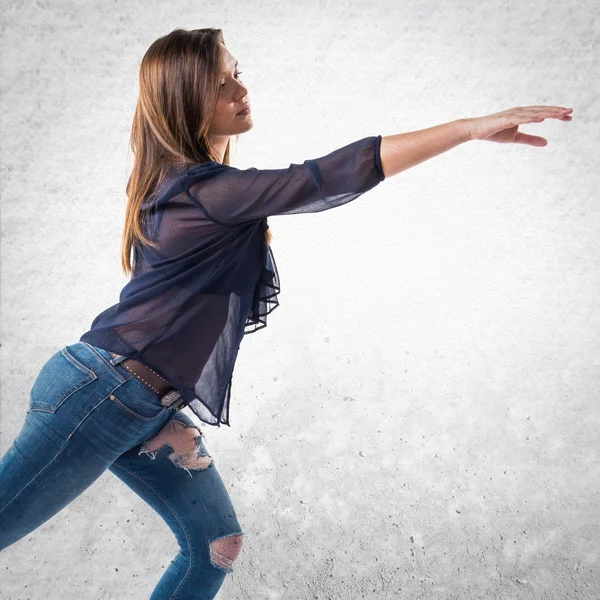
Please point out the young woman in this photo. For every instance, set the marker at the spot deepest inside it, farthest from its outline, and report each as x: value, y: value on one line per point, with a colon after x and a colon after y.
x: 202, y: 276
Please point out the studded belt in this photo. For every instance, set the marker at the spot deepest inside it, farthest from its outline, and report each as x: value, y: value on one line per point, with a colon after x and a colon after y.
x: 151, y: 379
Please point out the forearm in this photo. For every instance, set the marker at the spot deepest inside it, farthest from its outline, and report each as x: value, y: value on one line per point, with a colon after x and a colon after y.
x: 405, y: 150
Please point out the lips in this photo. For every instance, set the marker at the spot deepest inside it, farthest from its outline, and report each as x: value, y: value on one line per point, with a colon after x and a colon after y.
x: 245, y: 107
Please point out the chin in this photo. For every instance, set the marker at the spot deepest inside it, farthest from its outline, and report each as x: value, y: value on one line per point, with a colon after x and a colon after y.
x: 248, y: 125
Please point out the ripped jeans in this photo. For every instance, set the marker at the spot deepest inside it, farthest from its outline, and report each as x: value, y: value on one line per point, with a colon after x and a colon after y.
x: 87, y: 414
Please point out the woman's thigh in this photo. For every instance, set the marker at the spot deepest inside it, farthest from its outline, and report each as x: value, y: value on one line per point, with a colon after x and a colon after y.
x: 83, y: 414
x: 174, y: 473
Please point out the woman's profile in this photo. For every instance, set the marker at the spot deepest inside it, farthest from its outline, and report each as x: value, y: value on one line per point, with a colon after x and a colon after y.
x: 197, y: 247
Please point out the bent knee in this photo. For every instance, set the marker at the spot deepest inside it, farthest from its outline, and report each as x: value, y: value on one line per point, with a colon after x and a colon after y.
x: 225, y: 550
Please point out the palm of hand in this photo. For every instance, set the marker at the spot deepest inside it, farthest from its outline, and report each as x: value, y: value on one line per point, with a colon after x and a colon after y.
x: 503, y: 127
x: 505, y: 136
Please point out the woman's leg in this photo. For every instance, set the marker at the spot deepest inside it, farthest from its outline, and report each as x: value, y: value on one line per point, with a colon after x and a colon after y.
x: 174, y: 474
x: 84, y: 412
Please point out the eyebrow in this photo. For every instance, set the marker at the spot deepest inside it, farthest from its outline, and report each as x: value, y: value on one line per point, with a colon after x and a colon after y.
x: 236, y: 63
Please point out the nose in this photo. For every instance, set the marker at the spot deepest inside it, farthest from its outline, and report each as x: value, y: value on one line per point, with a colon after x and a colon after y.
x: 243, y: 91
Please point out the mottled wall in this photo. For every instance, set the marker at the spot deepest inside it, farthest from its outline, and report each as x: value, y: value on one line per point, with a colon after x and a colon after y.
x: 420, y: 419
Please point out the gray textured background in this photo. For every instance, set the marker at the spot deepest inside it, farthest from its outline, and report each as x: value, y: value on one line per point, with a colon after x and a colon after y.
x: 420, y: 419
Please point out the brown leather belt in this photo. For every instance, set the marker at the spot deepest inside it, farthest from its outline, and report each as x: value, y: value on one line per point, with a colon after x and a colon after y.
x: 151, y: 379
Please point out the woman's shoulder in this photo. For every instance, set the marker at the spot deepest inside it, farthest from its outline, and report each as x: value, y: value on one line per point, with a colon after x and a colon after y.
x: 208, y: 166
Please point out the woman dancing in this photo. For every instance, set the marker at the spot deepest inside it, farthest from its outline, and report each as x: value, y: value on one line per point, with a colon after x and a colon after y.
x: 196, y: 244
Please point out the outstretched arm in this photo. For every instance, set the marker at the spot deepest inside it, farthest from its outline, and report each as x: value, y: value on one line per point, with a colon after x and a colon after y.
x: 228, y: 195
x: 405, y: 150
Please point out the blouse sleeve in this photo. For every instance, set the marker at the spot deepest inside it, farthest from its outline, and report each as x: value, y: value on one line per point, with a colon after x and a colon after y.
x: 229, y: 195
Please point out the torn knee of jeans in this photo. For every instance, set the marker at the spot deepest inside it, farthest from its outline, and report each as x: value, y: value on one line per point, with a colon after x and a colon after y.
x: 185, y: 442
x: 225, y: 550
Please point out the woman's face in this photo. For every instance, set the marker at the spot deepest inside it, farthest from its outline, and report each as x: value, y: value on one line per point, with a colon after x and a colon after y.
x: 232, y: 98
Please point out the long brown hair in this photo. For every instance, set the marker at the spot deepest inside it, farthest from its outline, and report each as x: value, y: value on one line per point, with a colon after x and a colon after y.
x: 179, y: 85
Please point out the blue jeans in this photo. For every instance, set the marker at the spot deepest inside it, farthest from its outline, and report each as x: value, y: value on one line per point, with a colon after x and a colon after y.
x: 87, y: 413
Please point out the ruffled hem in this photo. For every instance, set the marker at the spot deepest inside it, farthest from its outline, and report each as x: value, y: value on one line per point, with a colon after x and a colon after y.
x: 265, y: 296
x: 265, y: 293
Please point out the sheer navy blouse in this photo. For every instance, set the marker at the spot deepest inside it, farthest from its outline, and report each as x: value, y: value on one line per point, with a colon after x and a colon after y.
x: 213, y: 278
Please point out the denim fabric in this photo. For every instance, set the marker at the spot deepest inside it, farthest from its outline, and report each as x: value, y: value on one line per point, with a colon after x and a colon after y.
x: 87, y: 414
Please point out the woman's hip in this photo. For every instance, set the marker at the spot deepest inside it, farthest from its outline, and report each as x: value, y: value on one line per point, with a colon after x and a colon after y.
x: 79, y: 392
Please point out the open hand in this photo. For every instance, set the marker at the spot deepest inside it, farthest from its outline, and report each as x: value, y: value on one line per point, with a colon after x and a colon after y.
x: 503, y: 126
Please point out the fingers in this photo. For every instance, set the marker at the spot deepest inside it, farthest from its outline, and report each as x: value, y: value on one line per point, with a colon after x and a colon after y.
x: 530, y: 140
x: 546, y: 108
x: 539, y: 113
